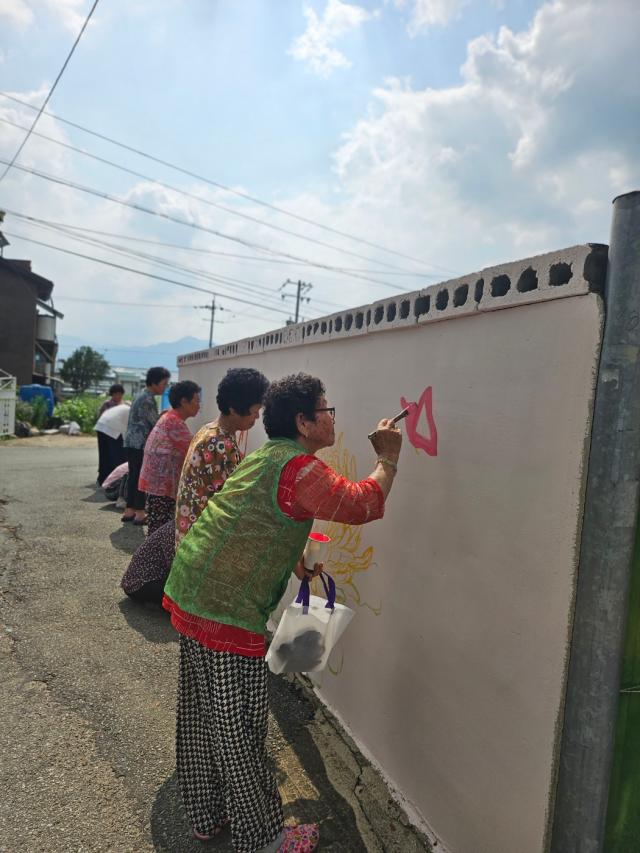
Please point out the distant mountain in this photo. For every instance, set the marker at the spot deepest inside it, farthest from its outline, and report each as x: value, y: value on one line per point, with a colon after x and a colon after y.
x: 162, y: 354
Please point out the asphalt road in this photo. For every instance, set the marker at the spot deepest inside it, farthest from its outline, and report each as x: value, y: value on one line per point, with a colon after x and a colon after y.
x: 89, y: 682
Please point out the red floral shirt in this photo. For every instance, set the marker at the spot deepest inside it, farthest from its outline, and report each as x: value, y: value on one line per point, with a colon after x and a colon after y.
x: 164, y: 454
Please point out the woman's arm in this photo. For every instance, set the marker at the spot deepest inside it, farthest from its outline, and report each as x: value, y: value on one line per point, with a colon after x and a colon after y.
x: 148, y: 413
x: 309, y: 488
x: 387, y: 441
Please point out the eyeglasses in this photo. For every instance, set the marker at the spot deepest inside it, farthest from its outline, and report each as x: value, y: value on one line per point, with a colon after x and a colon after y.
x: 330, y: 409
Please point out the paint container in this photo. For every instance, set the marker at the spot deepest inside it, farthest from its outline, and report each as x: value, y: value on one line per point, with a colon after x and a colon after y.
x: 315, y: 550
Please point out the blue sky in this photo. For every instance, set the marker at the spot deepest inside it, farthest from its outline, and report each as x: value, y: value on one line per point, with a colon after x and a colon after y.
x: 460, y: 132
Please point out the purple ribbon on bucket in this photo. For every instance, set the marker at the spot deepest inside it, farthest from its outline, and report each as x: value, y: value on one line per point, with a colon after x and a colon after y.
x: 329, y: 587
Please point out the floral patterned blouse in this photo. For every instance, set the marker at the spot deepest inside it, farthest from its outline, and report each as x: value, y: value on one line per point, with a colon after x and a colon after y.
x: 164, y: 455
x: 212, y: 456
x: 142, y: 419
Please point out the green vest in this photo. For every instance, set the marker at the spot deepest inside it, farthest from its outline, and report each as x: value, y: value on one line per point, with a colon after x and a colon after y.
x: 234, y: 563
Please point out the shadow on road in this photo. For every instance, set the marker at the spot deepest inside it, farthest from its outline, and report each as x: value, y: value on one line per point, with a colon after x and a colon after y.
x: 127, y: 537
x: 110, y: 507
x: 294, y: 714
x: 150, y: 620
x: 98, y: 496
x: 170, y: 829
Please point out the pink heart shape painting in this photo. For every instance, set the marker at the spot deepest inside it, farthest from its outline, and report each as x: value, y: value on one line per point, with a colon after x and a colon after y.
x: 422, y: 442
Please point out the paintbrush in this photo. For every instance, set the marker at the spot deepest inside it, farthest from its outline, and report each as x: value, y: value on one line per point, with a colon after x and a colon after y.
x: 399, y: 417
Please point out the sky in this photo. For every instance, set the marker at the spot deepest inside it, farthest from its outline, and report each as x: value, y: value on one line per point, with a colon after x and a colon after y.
x: 364, y: 148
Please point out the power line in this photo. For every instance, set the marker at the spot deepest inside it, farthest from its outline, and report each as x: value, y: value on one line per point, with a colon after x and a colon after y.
x: 122, y: 349
x: 140, y: 208
x: 239, y: 316
x: 51, y: 90
x: 238, y: 193
x: 195, y: 197
x: 74, y: 228
x: 131, y: 253
x: 128, y: 304
x: 163, y: 244
x: 146, y: 274
x: 197, y: 273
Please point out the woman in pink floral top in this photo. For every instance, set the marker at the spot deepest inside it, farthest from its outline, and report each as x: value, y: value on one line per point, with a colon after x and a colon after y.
x: 164, y: 453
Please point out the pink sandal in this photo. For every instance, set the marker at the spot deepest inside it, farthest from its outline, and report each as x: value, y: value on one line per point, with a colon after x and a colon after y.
x: 200, y: 836
x: 300, y: 839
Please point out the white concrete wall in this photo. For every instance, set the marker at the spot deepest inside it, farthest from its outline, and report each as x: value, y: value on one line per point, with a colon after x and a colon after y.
x: 452, y: 674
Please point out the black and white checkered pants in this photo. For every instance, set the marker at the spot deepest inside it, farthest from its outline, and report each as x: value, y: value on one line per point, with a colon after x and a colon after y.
x: 221, y: 746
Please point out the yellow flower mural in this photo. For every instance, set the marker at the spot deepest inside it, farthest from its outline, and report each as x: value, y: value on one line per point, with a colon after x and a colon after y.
x: 347, y: 555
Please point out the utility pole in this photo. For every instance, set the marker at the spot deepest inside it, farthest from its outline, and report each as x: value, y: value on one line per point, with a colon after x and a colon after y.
x: 213, y: 313
x: 3, y: 240
x: 211, y: 308
x: 302, y: 287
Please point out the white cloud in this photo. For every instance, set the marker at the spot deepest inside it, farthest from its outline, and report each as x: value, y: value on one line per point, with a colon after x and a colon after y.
x: 16, y: 12
x: 22, y: 13
x: 316, y: 45
x: 37, y: 151
x: 429, y: 13
x: 71, y: 13
x: 525, y: 154
x: 76, y: 277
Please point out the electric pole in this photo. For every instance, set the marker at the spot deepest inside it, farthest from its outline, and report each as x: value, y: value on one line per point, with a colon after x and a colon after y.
x: 302, y: 287
x: 3, y: 240
x: 211, y: 308
x: 213, y: 313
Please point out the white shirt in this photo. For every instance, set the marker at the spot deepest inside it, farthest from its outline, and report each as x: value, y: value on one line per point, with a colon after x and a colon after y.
x: 114, y: 421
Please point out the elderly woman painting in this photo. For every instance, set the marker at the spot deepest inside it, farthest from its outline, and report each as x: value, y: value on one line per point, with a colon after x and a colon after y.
x: 164, y: 453
x: 228, y: 575
x: 212, y: 456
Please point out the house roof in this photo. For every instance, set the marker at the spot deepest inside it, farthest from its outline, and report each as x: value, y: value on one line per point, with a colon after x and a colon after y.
x: 49, y: 308
x: 23, y: 268
x: 128, y: 374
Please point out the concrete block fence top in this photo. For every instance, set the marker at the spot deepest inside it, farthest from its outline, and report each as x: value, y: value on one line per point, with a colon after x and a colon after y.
x: 555, y: 275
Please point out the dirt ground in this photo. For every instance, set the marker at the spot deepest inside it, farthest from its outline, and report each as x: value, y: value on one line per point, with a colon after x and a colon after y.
x: 57, y: 440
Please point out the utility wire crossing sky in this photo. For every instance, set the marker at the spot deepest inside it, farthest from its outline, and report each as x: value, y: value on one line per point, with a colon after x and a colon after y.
x: 423, y: 139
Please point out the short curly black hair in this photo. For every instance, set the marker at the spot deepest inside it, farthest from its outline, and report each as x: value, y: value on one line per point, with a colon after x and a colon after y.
x: 185, y: 390
x: 116, y: 388
x: 156, y: 375
x: 287, y: 397
x: 241, y: 388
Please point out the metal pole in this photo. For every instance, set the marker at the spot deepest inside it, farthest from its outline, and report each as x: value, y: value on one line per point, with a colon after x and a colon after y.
x: 606, y: 551
x: 301, y: 287
x: 213, y: 311
x: 298, y: 300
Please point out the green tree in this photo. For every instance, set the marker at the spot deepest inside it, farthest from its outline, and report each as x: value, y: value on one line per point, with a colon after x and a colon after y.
x: 83, y: 368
